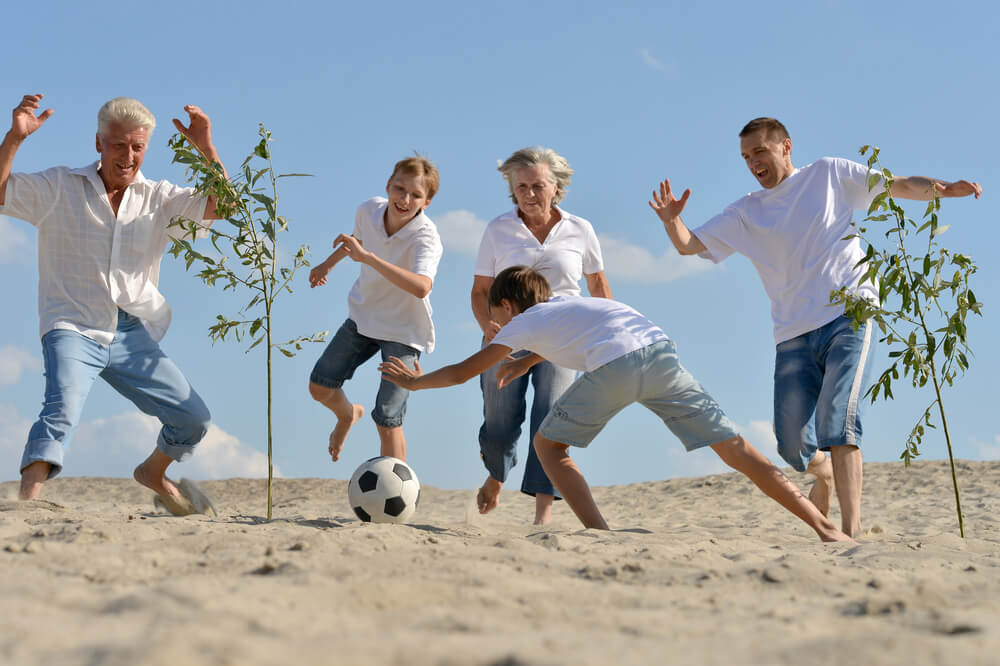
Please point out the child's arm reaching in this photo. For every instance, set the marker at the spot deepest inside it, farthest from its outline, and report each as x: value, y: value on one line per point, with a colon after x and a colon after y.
x: 512, y: 368
x: 317, y: 276
x: 411, y: 283
x: 458, y: 373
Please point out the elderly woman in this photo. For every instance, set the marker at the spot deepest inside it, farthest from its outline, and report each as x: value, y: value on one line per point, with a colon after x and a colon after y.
x: 563, y: 248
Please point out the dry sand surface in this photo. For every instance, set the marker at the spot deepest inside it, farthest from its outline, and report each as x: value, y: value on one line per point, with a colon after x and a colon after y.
x: 697, y: 571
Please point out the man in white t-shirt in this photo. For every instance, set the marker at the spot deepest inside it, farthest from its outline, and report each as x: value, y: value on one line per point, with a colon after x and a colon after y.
x: 625, y: 358
x: 102, y: 230
x: 793, y: 231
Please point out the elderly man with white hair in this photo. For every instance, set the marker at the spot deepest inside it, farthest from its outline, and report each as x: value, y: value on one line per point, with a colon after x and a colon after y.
x: 102, y: 230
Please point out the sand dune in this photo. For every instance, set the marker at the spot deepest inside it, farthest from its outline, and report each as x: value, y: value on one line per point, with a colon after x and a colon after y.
x: 696, y: 571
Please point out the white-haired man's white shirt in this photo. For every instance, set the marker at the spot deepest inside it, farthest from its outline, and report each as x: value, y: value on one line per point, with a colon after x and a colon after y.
x: 91, y: 262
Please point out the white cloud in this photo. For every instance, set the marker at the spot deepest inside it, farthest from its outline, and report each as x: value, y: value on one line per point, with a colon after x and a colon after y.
x: 624, y: 262
x: 653, y: 63
x: 460, y: 231
x: 113, y: 446
x: 14, y: 242
x: 988, y: 451
x: 13, y: 362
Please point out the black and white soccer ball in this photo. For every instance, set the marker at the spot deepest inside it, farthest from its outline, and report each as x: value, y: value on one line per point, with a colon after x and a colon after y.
x: 384, y: 490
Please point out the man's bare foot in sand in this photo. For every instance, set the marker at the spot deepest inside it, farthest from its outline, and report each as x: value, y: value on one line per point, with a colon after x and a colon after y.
x: 488, y: 497
x: 821, y: 493
x: 339, y: 435
x: 152, y: 473
x: 32, y: 479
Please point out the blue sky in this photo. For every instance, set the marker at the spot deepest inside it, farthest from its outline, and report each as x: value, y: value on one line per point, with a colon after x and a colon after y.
x: 630, y: 93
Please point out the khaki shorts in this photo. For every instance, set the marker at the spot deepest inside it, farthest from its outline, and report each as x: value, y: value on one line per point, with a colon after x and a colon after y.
x: 651, y: 376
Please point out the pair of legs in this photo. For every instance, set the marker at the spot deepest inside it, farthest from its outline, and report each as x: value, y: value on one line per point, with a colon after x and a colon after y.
x: 820, y: 378
x: 135, y: 366
x: 348, y: 350
x: 503, y: 414
x: 654, y: 377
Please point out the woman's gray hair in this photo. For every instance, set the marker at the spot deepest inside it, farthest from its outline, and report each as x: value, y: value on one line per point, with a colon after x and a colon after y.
x: 532, y: 156
x: 126, y: 111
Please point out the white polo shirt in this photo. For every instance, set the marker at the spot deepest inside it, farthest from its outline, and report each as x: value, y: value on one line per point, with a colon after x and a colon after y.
x: 382, y: 310
x: 90, y: 262
x: 579, y: 333
x: 793, y: 234
x: 570, y: 251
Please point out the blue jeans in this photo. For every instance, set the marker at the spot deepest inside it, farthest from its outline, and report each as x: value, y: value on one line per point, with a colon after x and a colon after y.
x: 503, y: 414
x: 348, y: 350
x: 133, y: 365
x: 820, y: 378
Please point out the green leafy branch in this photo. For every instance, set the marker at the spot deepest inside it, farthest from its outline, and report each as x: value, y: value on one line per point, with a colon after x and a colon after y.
x: 924, y: 300
x: 245, y: 236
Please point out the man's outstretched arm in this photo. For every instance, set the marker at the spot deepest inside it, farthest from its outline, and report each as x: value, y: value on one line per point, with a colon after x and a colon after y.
x: 919, y: 188
x: 23, y: 123
x: 199, y: 133
x: 668, y: 208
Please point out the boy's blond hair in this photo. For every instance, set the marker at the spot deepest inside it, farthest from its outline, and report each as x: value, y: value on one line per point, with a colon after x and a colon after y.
x: 420, y: 166
x: 520, y: 285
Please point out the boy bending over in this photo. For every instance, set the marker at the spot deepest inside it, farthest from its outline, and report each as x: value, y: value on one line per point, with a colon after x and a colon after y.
x: 389, y: 306
x: 625, y: 358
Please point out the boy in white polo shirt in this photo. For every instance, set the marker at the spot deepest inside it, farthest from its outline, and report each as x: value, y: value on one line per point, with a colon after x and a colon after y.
x: 389, y: 309
x: 625, y: 358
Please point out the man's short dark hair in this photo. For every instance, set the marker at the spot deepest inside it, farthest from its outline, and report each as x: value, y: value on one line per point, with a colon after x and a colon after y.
x: 520, y: 285
x: 775, y: 130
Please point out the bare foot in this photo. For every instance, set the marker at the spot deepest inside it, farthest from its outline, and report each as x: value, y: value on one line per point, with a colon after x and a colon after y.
x: 835, y: 535
x: 821, y: 494
x: 339, y: 435
x: 543, y: 508
x: 32, y: 479
x: 155, y: 481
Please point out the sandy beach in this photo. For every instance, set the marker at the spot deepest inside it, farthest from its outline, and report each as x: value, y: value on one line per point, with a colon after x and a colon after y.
x: 695, y: 571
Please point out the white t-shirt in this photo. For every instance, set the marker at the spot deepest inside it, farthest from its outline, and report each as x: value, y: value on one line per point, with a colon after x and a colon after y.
x: 792, y: 233
x: 569, y: 252
x: 381, y: 309
x: 90, y: 262
x: 579, y: 333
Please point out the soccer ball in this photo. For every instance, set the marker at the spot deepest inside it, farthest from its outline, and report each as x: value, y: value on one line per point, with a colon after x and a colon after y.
x: 384, y: 490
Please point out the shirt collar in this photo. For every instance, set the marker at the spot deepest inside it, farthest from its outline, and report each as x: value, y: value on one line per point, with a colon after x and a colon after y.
x: 90, y: 173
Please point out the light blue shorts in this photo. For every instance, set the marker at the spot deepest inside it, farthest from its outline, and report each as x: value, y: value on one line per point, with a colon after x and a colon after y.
x: 651, y: 376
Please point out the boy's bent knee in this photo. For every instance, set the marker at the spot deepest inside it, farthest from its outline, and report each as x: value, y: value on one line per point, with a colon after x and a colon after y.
x: 319, y: 392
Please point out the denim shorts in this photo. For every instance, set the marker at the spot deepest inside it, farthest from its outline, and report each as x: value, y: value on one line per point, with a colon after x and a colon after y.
x: 820, y: 378
x: 651, y: 376
x: 348, y: 350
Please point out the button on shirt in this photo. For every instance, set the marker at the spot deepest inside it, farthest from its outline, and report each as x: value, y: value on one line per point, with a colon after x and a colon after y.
x: 90, y: 262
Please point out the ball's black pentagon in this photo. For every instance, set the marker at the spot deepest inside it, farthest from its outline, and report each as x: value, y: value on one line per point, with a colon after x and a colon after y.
x: 402, y: 471
x: 368, y: 481
x: 394, y: 506
x: 362, y: 514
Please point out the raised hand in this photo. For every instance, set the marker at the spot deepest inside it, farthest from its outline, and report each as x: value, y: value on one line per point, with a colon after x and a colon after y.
x: 198, y: 131
x: 665, y: 205
x: 24, y: 121
x: 317, y: 276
